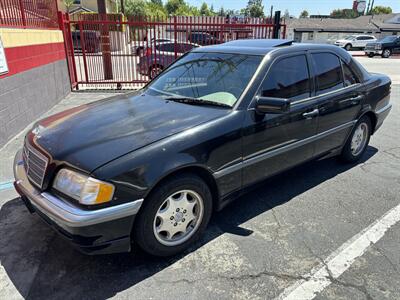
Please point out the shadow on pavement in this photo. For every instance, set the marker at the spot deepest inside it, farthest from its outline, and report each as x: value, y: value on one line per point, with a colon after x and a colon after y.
x: 40, y: 264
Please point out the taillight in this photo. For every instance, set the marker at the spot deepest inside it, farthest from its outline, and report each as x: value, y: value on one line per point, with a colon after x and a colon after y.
x: 148, y: 52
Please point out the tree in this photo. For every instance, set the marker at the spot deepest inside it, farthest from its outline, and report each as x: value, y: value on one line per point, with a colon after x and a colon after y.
x: 157, y: 2
x: 221, y: 12
x: 304, y: 14
x: 286, y: 15
x: 254, y: 9
x: 379, y: 10
x: 135, y: 8
x: 204, y: 10
x: 172, y: 6
x: 68, y: 4
x: 344, y: 14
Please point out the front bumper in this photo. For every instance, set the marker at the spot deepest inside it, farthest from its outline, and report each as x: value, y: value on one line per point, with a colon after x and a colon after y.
x: 105, y: 230
x: 373, y: 51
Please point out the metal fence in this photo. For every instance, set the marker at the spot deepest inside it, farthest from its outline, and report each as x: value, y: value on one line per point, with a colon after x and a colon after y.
x: 114, y: 52
x: 28, y: 13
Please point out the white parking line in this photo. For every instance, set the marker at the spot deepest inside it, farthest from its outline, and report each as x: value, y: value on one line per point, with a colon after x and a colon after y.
x: 340, y: 260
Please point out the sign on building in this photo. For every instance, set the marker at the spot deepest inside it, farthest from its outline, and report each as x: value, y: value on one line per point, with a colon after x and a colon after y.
x: 3, y: 60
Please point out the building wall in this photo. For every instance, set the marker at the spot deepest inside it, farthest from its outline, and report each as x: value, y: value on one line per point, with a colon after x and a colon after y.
x: 90, y: 4
x: 37, y: 78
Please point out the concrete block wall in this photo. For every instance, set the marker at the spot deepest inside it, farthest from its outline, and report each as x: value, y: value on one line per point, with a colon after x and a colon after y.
x: 37, y: 78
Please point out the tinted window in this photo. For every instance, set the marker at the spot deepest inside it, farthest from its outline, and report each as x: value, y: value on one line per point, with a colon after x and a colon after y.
x: 166, y: 47
x: 328, y: 72
x: 349, y: 76
x: 288, y: 78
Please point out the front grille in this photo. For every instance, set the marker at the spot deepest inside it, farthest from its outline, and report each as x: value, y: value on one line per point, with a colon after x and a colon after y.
x: 370, y: 47
x: 35, y: 165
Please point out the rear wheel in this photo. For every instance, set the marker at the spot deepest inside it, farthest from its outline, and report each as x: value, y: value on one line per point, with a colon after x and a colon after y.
x: 174, y: 216
x: 386, y: 53
x: 358, y: 141
x: 347, y: 47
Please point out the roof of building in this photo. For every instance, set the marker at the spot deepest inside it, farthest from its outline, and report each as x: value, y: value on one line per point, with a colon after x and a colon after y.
x: 387, y: 22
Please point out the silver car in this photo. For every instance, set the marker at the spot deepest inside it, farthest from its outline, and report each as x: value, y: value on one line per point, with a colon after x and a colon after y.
x: 355, y: 41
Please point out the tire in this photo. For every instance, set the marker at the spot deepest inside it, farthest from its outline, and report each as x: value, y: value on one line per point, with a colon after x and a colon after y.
x: 386, y: 53
x: 348, y: 47
x: 154, y: 71
x: 148, y: 226
x: 371, y: 55
x: 350, y: 153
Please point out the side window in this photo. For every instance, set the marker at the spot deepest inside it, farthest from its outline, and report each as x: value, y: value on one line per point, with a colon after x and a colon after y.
x: 328, y: 72
x: 166, y: 47
x: 288, y: 78
x: 349, y: 76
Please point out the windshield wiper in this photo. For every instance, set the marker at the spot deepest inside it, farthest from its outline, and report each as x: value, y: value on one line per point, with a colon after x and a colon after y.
x: 189, y: 100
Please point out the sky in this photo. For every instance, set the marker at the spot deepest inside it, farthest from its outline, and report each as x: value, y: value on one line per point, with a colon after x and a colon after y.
x: 295, y: 7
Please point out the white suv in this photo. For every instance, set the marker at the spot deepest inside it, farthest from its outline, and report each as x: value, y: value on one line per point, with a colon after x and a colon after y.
x: 355, y: 41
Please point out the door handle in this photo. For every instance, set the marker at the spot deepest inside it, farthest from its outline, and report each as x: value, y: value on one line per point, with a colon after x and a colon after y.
x: 357, y: 99
x: 311, y: 114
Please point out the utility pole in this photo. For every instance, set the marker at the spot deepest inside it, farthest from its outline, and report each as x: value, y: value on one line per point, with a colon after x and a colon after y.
x: 372, y: 6
x: 105, y: 40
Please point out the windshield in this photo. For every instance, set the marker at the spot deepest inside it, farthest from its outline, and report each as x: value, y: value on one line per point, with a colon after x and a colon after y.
x: 215, y: 77
x: 349, y: 37
x: 389, y: 39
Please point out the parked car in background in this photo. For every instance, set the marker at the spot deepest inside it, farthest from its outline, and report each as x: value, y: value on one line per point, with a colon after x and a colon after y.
x: 91, y: 41
x: 157, y: 58
x: 355, y: 41
x: 385, y: 47
x: 203, y: 39
x: 151, y: 167
x: 139, y: 46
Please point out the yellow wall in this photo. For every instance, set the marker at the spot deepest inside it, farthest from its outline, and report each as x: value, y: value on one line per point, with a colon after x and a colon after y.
x: 15, y: 37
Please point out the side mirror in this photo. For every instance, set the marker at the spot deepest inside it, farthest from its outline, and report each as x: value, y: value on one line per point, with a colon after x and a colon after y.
x: 269, y: 105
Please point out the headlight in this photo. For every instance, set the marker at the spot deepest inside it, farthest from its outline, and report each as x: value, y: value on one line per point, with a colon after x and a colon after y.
x: 378, y: 46
x: 82, y: 188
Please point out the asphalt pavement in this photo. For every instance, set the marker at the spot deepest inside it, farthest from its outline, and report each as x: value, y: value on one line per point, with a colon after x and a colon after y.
x: 325, y: 229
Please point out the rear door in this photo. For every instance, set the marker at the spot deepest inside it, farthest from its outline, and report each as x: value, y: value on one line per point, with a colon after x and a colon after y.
x: 275, y: 142
x: 339, y: 96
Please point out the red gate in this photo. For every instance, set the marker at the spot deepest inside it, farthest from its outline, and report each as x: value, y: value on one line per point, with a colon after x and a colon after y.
x: 113, y: 52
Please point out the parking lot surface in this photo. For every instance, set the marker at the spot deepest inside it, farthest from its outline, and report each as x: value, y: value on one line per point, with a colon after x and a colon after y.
x: 323, y: 229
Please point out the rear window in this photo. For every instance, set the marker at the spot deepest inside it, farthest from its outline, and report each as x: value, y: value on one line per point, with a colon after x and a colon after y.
x: 328, y: 72
x: 349, y: 76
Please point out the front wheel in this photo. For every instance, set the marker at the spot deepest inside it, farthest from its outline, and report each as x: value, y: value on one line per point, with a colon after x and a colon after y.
x: 358, y: 140
x: 347, y: 47
x: 370, y: 55
x: 386, y: 53
x: 174, y: 215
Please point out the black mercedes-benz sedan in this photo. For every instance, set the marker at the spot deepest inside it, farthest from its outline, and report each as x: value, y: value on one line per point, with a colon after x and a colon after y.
x: 150, y: 167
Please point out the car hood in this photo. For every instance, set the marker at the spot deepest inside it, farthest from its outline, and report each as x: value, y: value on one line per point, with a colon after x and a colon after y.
x: 91, y: 135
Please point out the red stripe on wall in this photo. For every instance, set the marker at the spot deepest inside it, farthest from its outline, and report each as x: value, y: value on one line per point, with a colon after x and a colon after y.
x: 20, y: 59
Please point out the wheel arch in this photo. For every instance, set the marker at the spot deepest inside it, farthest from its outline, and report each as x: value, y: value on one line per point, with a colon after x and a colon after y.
x: 372, y: 116
x: 201, y: 171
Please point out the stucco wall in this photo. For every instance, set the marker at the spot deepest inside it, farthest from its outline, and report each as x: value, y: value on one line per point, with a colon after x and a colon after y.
x: 37, y: 78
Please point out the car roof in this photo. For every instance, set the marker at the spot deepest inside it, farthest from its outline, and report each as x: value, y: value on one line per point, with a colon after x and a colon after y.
x: 263, y: 46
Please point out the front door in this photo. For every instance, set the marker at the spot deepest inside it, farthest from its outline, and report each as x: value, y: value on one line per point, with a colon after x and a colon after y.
x: 275, y: 142
x: 339, y: 96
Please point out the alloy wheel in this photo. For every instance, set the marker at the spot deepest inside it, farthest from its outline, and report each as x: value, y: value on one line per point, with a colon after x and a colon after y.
x: 359, y: 139
x: 178, y: 217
